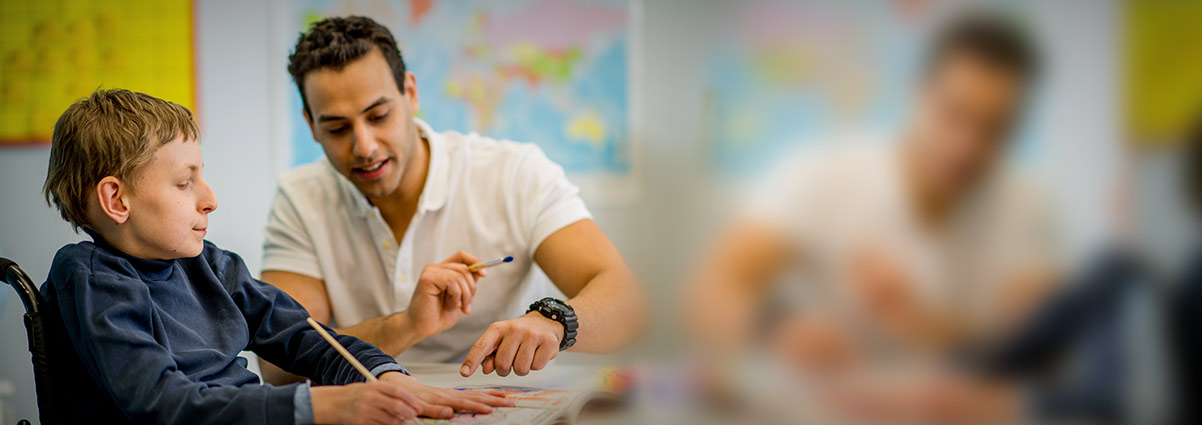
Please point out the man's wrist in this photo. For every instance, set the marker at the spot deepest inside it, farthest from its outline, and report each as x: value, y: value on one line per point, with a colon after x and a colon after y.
x: 404, y: 330
x: 551, y: 324
x: 558, y: 326
x: 563, y: 315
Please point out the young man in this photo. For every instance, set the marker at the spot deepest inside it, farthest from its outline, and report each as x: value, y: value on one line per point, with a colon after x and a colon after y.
x: 374, y: 237
x: 919, y: 245
x: 1117, y: 345
x: 150, y: 318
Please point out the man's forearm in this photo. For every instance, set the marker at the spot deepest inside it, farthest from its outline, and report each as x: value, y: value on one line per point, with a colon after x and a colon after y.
x: 611, y: 310
x: 393, y: 333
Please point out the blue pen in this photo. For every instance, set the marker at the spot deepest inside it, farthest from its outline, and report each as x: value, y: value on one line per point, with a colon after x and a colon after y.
x: 478, y: 266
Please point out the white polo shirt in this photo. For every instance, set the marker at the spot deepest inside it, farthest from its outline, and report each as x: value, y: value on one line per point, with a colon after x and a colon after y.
x: 846, y: 199
x: 491, y: 198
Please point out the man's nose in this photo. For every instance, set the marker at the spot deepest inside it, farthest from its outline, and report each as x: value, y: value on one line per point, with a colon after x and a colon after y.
x: 364, y: 145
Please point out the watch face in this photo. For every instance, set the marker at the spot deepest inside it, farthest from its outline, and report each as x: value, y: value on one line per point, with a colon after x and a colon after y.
x: 557, y: 308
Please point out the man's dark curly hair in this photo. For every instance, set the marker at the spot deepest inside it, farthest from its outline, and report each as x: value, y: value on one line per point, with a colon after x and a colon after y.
x: 989, y: 36
x: 335, y: 42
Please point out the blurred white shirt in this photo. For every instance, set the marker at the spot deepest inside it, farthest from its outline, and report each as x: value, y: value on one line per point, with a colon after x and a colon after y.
x: 491, y: 198
x: 841, y: 200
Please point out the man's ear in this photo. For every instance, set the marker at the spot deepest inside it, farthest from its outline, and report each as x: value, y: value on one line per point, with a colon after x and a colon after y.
x: 411, y: 91
x: 309, y: 120
x: 110, y: 193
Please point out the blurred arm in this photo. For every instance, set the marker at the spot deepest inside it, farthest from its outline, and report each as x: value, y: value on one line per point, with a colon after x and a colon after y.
x: 732, y: 281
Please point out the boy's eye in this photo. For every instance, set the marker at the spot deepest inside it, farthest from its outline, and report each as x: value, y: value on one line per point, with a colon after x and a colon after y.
x: 338, y: 130
x: 184, y: 185
x: 378, y: 117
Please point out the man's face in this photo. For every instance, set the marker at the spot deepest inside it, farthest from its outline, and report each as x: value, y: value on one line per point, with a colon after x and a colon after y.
x: 965, y: 111
x: 170, y: 204
x: 364, y: 122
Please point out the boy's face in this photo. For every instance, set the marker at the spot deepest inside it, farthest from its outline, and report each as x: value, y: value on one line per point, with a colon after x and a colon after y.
x: 170, y: 205
x: 363, y: 122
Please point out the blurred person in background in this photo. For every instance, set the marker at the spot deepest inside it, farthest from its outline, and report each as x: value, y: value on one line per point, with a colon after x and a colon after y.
x: 914, y: 245
x: 1118, y: 344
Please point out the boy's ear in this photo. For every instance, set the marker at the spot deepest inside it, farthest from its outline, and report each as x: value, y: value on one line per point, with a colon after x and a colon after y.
x: 110, y: 193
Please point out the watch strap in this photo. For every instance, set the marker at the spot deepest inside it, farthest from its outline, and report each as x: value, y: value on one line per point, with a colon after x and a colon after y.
x: 561, y: 312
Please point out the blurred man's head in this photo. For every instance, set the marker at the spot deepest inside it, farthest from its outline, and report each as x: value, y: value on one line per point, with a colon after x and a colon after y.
x: 973, y: 88
x: 358, y: 100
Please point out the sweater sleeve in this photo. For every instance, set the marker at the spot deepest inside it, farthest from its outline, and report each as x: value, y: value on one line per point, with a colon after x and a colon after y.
x: 280, y: 334
x: 107, y: 314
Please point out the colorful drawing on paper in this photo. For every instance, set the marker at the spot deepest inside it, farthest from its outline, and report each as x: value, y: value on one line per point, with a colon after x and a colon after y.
x: 551, y: 72
x: 53, y: 52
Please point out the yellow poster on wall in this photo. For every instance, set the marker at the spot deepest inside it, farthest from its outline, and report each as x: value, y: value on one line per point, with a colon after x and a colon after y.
x: 1163, y: 69
x: 53, y: 52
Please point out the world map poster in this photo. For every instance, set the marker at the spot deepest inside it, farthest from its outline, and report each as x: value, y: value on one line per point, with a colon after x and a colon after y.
x: 551, y: 72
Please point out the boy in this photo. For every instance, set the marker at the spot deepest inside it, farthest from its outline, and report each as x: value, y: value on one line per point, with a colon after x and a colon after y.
x: 153, y: 317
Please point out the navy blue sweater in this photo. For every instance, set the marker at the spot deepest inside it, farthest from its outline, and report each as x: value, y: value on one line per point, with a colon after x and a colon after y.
x: 158, y: 341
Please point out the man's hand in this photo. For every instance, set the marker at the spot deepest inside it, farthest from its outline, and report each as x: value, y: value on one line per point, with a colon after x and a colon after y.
x: 883, y: 285
x: 444, y: 294
x: 523, y: 344
x: 363, y: 403
x: 888, y: 295
x: 442, y: 403
x: 817, y: 344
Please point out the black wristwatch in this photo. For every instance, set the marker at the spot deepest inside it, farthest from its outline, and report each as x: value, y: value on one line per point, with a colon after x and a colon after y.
x: 564, y: 314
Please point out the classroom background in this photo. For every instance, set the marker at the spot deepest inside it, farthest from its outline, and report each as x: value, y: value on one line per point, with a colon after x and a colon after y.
x: 661, y: 110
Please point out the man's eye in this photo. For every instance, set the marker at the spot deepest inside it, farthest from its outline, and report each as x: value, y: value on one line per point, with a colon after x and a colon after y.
x: 338, y: 130
x: 379, y: 117
x: 183, y: 185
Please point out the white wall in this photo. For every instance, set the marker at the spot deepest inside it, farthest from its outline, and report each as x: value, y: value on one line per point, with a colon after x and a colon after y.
x: 659, y: 234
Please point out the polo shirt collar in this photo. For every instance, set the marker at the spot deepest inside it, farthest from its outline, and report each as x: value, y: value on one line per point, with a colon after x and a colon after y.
x: 434, y: 192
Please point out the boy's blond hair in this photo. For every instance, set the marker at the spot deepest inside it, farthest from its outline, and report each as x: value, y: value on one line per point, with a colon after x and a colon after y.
x: 110, y: 133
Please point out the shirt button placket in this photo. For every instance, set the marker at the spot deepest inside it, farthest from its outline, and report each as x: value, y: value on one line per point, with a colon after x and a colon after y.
x: 384, y: 239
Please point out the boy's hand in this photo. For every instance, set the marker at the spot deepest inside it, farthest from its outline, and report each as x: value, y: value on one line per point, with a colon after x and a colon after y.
x: 363, y: 403
x: 442, y: 403
x: 444, y: 294
x: 523, y: 344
